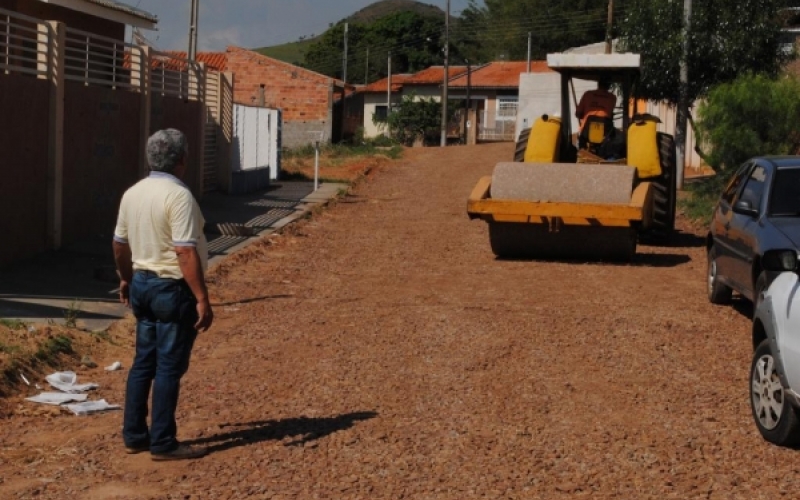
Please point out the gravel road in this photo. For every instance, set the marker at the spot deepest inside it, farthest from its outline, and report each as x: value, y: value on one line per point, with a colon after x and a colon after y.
x: 380, y: 351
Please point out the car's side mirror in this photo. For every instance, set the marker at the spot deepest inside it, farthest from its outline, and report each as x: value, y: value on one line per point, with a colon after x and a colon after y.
x: 779, y: 260
x: 744, y: 207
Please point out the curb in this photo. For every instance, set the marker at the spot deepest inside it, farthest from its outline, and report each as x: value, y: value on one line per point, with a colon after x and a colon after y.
x: 321, y: 197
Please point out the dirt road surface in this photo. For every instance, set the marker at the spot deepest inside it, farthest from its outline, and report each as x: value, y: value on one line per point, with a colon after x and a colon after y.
x: 380, y: 351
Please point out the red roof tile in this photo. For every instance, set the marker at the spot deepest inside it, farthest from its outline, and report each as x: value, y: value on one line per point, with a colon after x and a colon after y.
x: 216, y: 61
x: 380, y: 85
x: 499, y: 74
x: 435, y: 75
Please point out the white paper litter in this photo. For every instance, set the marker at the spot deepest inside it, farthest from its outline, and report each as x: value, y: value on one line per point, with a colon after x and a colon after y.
x: 22, y: 376
x: 116, y: 365
x: 56, y: 398
x: 91, y: 407
x: 66, y: 381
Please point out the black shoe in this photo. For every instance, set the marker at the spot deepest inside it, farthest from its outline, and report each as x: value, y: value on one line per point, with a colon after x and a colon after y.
x: 182, y: 452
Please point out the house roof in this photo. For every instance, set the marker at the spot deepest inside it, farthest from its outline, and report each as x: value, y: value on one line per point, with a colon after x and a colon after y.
x: 380, y: 85
x: 435, y: 75
x: 113, y: 10
x: 499, y: 75
x: 216, y: 61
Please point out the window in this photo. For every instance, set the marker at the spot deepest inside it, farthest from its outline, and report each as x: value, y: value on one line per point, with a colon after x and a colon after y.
x: 735, y: 183
x: 380, y: 113
x: 754, y: 189
x: 785, y: 200
x: 507, y: 108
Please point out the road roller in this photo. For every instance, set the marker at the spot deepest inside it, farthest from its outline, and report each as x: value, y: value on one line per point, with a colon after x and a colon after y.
x: 589, y: 195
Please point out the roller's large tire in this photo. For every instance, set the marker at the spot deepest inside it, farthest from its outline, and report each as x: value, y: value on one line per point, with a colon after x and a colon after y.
x: 665, y: 191
x: 511, y: 240
x: 522, y: 145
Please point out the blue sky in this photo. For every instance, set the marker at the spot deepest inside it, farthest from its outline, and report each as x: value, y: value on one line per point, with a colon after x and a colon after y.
x: 252, y: 23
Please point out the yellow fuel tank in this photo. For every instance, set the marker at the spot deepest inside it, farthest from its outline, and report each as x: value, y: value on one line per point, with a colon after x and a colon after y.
x: 544, y: 141
x: 643, y: 149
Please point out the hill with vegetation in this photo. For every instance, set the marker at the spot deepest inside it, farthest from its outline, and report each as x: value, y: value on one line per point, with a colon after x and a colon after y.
x: 294, y: 52
x: 384, y: 8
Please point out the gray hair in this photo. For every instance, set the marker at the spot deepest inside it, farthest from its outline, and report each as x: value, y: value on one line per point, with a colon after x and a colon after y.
x: 166, y: 149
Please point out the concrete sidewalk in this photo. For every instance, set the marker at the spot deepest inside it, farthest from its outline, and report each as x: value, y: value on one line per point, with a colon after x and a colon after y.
x: 82, y: 279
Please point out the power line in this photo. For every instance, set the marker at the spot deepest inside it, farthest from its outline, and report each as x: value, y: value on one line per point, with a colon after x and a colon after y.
x: 332, y: 63
x: 497, y: 32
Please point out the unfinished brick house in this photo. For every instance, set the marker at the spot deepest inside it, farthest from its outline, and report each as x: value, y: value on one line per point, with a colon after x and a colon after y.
x: 305, y: 98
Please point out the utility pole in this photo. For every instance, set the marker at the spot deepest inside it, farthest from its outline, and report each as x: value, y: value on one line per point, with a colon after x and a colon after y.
x: 193, y: 31
x: 467, y: 104
x: 608, y: 27
x: 366, y: 69
x: 389, y: 86
x: 529, y: 52
x: 683, y: 99
x: 344, y: 56
x: 344, y: 81
x: 389, y: 95
x: 446, y: 73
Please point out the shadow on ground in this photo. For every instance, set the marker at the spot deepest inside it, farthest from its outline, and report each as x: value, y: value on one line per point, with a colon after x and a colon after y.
x: 25, y: 309
x: 741, y: 305
x: 640, y: 259
x: 303, y: 429
x: 82, y: 278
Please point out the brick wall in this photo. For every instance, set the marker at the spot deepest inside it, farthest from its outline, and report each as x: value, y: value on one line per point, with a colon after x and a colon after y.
x: 304, y: 97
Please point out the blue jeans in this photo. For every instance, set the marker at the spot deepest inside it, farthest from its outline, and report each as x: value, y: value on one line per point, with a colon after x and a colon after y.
x: 166, y: 313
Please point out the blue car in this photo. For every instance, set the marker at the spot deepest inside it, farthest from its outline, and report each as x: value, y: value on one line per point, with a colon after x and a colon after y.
x: 759, y: 210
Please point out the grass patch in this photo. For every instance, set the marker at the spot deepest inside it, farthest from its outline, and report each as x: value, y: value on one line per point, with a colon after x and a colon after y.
x: 52, y: 347
x: 292, y: 52
x: 103, y: 335
x: 702, y: 197
x: 337, y: 163
x: 10, y: 349
x: 13, y: 324
x: 71, y: 313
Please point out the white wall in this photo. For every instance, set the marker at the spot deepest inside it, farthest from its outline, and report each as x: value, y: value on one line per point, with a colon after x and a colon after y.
x: 668, y: 115
x: 540, y: 94
x: 371, y: 101
x: 423, y: 92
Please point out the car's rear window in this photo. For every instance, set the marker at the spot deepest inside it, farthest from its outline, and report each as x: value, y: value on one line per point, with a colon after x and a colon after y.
x: 785, y: 199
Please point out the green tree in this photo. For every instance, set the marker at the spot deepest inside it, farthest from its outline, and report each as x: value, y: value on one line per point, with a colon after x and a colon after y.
x: 727, y: 38
x: 750, y: 116
x: 414, y: 40
x: 499, y: 29
x: 413, y: 120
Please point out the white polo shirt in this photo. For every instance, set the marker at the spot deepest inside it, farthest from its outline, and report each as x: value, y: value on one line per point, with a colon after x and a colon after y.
x: 156, y: 215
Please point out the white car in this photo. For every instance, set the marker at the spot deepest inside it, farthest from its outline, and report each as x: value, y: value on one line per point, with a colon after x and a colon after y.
x: 775, y: 370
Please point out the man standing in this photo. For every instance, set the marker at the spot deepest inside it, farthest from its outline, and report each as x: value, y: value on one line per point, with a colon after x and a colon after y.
x: 161, y: 255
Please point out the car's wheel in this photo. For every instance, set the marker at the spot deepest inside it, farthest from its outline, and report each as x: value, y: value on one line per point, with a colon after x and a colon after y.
x: 718, y: 293
x: 774, y: 415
